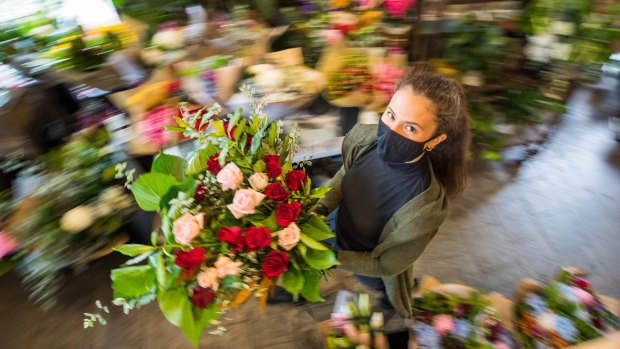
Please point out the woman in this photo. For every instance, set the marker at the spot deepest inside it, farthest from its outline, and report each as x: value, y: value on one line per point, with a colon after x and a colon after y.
x: 393, y: 188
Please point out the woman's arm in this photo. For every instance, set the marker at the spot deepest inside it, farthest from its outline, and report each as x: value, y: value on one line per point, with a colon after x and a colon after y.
x: 332, y: 198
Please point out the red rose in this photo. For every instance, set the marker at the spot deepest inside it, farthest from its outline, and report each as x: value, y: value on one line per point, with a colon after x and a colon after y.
x: 294, y: 179
x: 190, y: 259
x: 276, y: 192
x: 275, y: 264
x: 203, y: 297
x: 272, y: 163
x: 248, y: 142
x: 213, y: 164
x: 230, y: 134
x: 287, y: 213
x: 581, y: 283
x: 256, y: 238
x: 201, y: 192
x: 233, y: 236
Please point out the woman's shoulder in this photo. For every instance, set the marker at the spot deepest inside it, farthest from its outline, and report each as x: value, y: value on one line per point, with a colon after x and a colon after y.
x: 362, y: 134
x: 356, y: 142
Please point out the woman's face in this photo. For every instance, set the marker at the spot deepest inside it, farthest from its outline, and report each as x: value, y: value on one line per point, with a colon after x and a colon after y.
x: 412, y: 116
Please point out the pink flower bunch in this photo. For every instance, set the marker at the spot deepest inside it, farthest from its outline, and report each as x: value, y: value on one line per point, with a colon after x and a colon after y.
x: 151, y: 127
x: 386, y: 79
x: 367, y: 4
x: 7, y: 244
x: 398, y: 8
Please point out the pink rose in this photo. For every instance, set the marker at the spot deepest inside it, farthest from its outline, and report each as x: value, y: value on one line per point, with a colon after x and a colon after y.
x: 398, y: 8
x: 289, y: 236
x: 500, y: 345
x: 226, y: 266
x: 230, y: 177
x: 259, y: 181
x: 7, y: 244
x: 584, y: 296
x: 331, y: 35
x: 244, y: 202
x: 187, y: 227
x: 208, y: 279
x: 443, y: 324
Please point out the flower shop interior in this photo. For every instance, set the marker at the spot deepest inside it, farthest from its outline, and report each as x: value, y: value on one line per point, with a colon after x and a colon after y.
x: 168, y: 169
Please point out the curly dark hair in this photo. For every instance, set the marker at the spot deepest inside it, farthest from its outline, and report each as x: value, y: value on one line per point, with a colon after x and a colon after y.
x: 449, y: 158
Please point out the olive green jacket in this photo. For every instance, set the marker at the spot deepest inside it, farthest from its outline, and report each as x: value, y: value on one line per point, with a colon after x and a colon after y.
x: 405, y: 235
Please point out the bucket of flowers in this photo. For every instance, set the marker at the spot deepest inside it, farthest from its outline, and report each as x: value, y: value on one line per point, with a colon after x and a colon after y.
x: 563, y: 312
x: 457, y: 316
x: 236, y: 218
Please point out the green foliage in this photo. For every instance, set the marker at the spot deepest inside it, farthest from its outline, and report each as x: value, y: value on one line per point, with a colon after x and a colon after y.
x: 133, y: 250
x: 310, y: 290
x: 170, y: 165
x: 320, y: 259
x: 134, y: 281
x: 293, y: 281
x: 150, y: 188
x: 315, y: 228
x: 473, y: 44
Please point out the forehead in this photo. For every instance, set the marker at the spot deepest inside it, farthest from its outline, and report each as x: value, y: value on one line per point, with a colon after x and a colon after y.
x: 413, y: 108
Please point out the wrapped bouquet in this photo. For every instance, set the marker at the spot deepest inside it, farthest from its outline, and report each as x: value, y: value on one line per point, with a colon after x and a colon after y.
x: 236, y: 218
x: 352, y: 325
x: 456, y: 316
x: 564, y: 312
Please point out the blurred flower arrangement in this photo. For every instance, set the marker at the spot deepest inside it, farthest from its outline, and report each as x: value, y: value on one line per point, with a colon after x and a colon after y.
x: 235, y: 218
x: 445, y: 320
x: 564, y: 312
x: 73, y: 213
x: 570, y: 35
x: 82, y: 51
x: 353, y: 326
x: 351, y: 76
x: 473, y: 46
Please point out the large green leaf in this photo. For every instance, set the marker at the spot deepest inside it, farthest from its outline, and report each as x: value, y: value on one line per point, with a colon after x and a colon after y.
x: 150, y: 188
x: 157, y: 262
x: 270, y: 223
x: 170, y: 165
x: 129, y: 282
x: 315, y: 228
x: 293, y: 280
x: 133, y: 250
x: 312, y: 281
x: 178, y: 309
x: 319, y: 192
x: 320, y: 259
x: 310, y: 242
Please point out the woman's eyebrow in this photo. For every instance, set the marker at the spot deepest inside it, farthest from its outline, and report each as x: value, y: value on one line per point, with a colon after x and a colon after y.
x: 404, y: 121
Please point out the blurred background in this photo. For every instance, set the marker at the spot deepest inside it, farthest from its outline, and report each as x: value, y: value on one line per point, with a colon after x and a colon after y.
x: 86, y: 84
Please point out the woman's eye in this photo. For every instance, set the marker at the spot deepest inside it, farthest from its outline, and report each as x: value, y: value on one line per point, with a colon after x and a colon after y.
x: 390, y: 115
x: 410, y: 128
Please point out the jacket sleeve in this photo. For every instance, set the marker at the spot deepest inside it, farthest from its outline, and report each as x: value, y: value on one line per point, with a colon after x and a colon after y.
x: 393, y: 260
x: 332, y: 198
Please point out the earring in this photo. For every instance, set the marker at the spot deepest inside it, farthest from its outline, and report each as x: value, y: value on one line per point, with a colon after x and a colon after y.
x: 430, y: 148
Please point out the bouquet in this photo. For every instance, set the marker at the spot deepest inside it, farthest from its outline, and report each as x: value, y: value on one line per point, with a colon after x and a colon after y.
x: 73, y: 214
x: 564, y: 312
x: 351, y: 77
x: 352, y: 325
x: 458, y: 320
x: 236, y: 218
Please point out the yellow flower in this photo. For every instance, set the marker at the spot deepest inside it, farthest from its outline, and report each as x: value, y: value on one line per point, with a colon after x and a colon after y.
x: 69, y: 38
x: 339, y: 3
x: 369, y: 18
x: 61, y: 47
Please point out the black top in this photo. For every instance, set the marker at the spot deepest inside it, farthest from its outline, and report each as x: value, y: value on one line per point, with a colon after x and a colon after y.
x: 372, y: 191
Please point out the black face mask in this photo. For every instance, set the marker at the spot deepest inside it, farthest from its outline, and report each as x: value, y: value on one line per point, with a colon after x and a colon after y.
x: 394, y: 148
